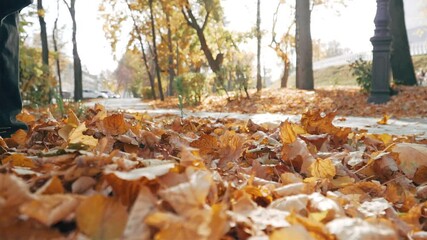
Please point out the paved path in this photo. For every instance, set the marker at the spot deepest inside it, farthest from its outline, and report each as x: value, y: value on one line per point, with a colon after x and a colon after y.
x: 409, y: 126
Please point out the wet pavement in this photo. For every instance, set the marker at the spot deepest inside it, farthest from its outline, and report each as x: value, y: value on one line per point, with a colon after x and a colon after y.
x: 403, y: 126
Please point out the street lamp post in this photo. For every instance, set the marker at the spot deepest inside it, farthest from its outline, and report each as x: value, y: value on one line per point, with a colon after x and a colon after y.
x: 380, y: 89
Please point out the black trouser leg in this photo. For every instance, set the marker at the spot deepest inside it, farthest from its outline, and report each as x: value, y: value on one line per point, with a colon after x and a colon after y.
x: 10, y: 98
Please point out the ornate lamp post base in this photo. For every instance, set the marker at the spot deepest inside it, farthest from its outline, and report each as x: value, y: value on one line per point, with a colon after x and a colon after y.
x: 380, y: 89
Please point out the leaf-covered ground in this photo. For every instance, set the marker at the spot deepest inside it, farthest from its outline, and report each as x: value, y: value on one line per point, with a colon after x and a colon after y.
x: 346, y: 101
x: 130, y: 176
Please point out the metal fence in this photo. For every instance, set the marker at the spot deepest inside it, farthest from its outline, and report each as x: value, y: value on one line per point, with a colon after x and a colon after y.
x: 419, y: 48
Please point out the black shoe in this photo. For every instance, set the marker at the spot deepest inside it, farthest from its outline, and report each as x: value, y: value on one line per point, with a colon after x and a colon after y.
x: 6, y: 132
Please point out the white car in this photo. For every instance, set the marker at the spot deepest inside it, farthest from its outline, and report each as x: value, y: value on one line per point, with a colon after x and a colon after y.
x: 110, y: 94
x: 87, y: 93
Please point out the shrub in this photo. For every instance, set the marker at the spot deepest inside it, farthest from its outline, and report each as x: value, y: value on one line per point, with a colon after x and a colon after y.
x: 361, y: 69
x: 191, y: 87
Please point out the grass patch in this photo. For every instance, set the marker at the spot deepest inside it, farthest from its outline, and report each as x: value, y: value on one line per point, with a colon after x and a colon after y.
x: 341, y: 75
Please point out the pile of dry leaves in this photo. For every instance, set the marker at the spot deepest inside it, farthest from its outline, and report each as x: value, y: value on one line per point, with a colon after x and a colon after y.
x: 123, y: 176
x: 346, y: 101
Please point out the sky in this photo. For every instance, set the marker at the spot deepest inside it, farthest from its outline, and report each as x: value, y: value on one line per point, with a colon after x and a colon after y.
x: 352, y: 27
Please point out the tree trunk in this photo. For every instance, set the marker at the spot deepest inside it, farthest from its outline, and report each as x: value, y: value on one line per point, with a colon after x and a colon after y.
x: 43, y: 33
x: 55, y: 48
x: 170, y: 56
x: 156, y: 59
x: 401, y: 61
x: 144, y: 55
x: 258, y: 35
x: 285, y: 76
x: 78, y: 75
x: 214, y: 63
x: 304, y: 47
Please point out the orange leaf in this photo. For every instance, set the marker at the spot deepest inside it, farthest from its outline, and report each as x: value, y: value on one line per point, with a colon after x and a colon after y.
x: 50, y: 209
x: 383, y: 120
x: 54, y: 185
x: 19, y: 160
x: 206, y: 144
x: 25, y: 117
x: 19, y: 137
x: 115, y: 125
x: 100, y: 217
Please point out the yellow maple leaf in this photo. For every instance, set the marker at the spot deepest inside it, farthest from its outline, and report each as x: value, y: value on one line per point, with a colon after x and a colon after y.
x: 323, y: 168
x: 72, y: 119
x: 289, y: 132
x: 383, y: 120
x: 76, y: 136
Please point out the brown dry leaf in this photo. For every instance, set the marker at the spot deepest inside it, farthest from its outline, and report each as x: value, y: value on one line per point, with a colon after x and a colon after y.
x: 246, y: 211
x: 420, y: 176
x: 126, y: 191
x: 136, y: 229
x: 19, y: 160
x: 295, y: 203
x: 316, y: 229
x: 320, y: 203
x: 323, y: 168
x: 21, y: 230
x: 82, y: 184
x: 357, y: 229
x: 13, y: 192
x: 101, y: 113
x: 101, y: 217
x: 207, y: 144
x: 314, y: 123
x: 364, y: 189
x: 195, y: 226
x: 150, y: 172
x: 289, y: 132
x: 411, y: 157
x: 231, y: 147
x: 298, y: 155
x: 53, y: 186
x: 114, y: 125
x: 65, y: 131
x: 189, y: 195
x: 50, y: 209
x: 292, y: 232
x: 219, y: 225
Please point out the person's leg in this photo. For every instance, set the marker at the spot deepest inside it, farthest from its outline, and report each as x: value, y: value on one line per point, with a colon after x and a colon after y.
x: 10, y: 98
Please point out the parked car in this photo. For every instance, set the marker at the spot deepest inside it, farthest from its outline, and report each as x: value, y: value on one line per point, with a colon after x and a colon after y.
x: 89, y: 93
x: 110, y: 94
